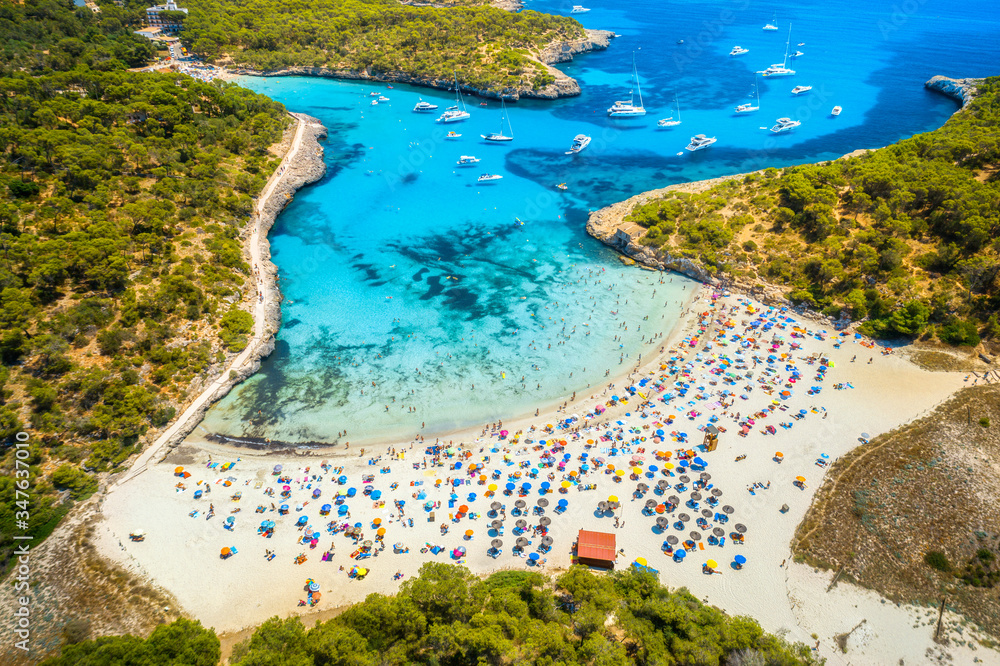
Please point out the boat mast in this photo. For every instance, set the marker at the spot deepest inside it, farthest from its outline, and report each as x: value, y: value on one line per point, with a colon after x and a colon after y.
x: 678, y: 105
x: 635, y: 75
x: 788, y: 41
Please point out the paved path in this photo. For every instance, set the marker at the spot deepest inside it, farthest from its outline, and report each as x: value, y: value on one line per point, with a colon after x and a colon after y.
x: 259, y: 311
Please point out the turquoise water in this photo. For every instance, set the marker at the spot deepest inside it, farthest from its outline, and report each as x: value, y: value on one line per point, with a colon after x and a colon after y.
x: 415, y: 295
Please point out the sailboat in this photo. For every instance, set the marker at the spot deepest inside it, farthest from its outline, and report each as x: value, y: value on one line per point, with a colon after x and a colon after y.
x: 622, y: 109
x: 772, y: 26
x: 750, y: 107
x: 669, y: 121
x: 782, y: 69
x: 499, y: 136
x: 453, y: 114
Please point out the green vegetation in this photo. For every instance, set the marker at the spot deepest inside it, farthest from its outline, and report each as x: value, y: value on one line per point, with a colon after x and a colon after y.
x: 490, y: 48
x: 905, y: 237
x: 123, y: 198
x: 937, y: 560
x: 182, y: 643
x: 448, y: 617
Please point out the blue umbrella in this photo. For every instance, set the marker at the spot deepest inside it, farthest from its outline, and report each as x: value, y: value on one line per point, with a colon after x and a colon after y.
x: 230, y: 520
x: 526, y: 485
x: 342, y: 480
x: 421, y: 495
x: 326, y: 508
x: 376, y: 494
x: 584, y: 456
x: 700, y: 462
x: 509, y: 486
x: 546, y: 485
x: 284, y: 507
x: 533, y: 556
x: 585, y: 467
x: 357, y: 524
x: 653, y: 468
x: 458, y: 465
x: 739, y: 559
x: 342, y: 511
x: 681, y: 554
x: 472, y: 497
x: 302, y: 520
x: 351, y: 492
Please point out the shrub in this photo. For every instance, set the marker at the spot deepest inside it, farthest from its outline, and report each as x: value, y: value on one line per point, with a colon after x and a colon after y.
x: 985, y: 422
x: 937, y: 560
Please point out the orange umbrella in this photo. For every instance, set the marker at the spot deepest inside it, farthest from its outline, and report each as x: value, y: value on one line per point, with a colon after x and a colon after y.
x: 377, y: 521
x: 463, y: 509
x: 468, y: 533
x: 380, y: 531
x: 482, y: 477
x: 660, y: 508
x: 226, y: 552
x: 573, y: 473
x: 179, y: 470
x: 801, y: 479
x: 779, y: 454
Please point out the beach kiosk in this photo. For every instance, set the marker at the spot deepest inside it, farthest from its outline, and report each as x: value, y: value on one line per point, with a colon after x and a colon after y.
x: 711, y: 438
x: 596, y: 549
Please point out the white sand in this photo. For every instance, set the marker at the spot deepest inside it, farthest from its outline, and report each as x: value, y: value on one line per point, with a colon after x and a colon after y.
x: 181, y: 553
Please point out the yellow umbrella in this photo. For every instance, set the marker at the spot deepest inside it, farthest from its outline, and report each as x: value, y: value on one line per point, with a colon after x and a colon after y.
x: 668, y: 465
x: 566, y: 484
x: 620, y: 472
x: 637, y: 470
x: 800, y: 478
x: 640, y: 560
x: 492, y: 487
x: 712, y: 564
x: 613, y: 498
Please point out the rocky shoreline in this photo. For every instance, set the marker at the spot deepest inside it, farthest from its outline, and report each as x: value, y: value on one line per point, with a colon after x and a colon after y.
x: 962, y: 90
x: 556, y: 52
x: 304, y: 168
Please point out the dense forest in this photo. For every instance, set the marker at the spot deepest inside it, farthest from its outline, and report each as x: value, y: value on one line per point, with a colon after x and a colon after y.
x: 448, y: 617
x: 120, y: 265
x: 489, y: 48
x: 906, y: 237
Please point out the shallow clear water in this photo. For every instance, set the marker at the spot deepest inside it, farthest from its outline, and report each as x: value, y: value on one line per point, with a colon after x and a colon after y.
x: 408, y: 285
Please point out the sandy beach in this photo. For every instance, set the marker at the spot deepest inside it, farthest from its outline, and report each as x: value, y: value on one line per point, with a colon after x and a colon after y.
x: 181, y: 551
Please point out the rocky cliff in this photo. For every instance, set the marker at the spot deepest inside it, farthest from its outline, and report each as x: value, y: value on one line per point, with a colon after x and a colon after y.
x: 963, y: 90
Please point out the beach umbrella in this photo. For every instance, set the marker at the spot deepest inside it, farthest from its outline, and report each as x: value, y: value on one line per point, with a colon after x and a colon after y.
x: 711, y: 564
x: 492, y: 487
x: 178, y: 470
x: 681, y: 554
x: 672, y: 540
x: 563, y: 503
x: 696, y: 496
x: 377, y: 495
x: 526, y: 485
x: 741, y: 528
x: 542, y: 502
x: 510, y: 486
x: 546, y: 540
x: 662, y: 522
x: 683, y: 517
x: 565, y: 484
x: 377, y: 521
x: 716, y: 492
x: 496, y: 524
x: 640, y: 561
x: 800, y: 479
x: 380, y: 531
x: 520, y: 504
x: 495, y: 506
x: 463, y: 509
x: 468, y: 533
x: 534, y: 557
x: 718, y: 531
x: 662, y: 483
x: 613, y: 499
x: 684, y: 478
x: 545, y: 485
x: 650, y: 503
x: 522, y: 542
x: 739, y: 559
x: 603, y: 506
x: 728, y: 509
x: 226, y: 552
x: 660, y: 508
x: 496, y: 543
x: 674, y: 499
x: 705, y: 476
x: 695, y: 536
x: 544, y: 520
x: 521, y: 523
x: 326, y: 508
x: 642, y: 487
x: 706, y: 513
x: 668, y: 465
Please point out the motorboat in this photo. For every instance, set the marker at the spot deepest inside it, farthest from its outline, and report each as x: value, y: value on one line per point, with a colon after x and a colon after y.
x: 785, y: 125
x: 453, y: 135
x: 578, y: 9
x: 738, y: 50
x: 750, y: 107
x: 782, y: 69
x: 622, y: 109
x: 500, y: 137
x: 467, y: 160
x: 797, y: 54
x: 374, y: 102
x: 423, y: 107
x: 670, y: 121
x: 456, y: 113
x: 836, y: 111
x: 489, y: 178
x: 798, y: 90
x: 383, y: 98
x: 580, y: 141
x: 700, y: 142
x: 374, y: 93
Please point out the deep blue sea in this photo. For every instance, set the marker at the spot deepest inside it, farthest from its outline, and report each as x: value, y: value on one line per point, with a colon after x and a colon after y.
x: 415, y: 295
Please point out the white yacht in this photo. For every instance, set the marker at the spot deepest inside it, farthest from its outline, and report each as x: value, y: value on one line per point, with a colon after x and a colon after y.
x: 423, y: 107
x: 500, y: 137
x: 836, y: 111
x: 772, y: 26
x: 454, y: 114
x: 489, y: 178
x: 383, y: 98
x: 622, y: 109
x: 669, y: 121
x: 578, y: 9
x: 797, y: 54
x: 750, y: 107
x: 798, y: 90
x: 699, y: 142
x: 453, y: 135
x: 467, y: 160
x: 738, y: 50
x: 374, y: 102
x: 785, y: 125
x: 580, y: 141
x: 782, y: 69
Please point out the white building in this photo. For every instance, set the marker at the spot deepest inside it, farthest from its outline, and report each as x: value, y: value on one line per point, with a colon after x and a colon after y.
x: 156, y: 20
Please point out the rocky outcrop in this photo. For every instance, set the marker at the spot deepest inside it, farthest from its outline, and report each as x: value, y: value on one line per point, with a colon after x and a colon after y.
x: 963, y: 90
x: 560, y: 51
